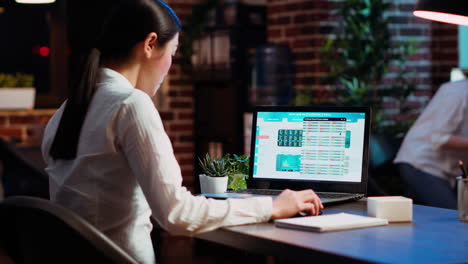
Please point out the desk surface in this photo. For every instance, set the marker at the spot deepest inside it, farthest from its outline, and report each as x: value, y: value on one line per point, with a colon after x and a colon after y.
x: 434, y: 236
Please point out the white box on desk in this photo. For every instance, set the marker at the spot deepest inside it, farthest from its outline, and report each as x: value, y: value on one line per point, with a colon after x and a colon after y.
x: 392, y: 208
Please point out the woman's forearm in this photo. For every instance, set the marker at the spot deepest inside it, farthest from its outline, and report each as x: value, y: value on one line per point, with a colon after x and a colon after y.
x: 456, y: 143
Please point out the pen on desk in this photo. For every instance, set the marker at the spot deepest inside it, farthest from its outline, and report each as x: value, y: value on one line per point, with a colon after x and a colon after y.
x: 462, y: 168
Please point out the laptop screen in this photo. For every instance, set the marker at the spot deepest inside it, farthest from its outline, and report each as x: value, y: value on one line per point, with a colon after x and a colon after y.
x: 311, y: 144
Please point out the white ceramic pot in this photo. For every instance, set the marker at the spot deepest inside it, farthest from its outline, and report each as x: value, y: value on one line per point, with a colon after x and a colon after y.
x: 213, y: 184
x: 17, y: 98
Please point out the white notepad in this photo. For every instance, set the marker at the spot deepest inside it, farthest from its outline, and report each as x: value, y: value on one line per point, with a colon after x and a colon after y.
x: 332, y: 222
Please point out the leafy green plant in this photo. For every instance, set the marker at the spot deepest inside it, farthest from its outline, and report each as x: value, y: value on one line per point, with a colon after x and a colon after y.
x: 214, y: 167
x: 360, y: 53
x: 238, y: 167
x: 237, y: 164
x: 16, y: 80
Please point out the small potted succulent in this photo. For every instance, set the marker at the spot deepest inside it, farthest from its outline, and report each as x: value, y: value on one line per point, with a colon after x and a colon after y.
x: 17, y: 91
x: 215, y: 177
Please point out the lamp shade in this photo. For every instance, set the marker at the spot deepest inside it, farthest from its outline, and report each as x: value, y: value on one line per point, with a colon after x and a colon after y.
x: 447, y: 11
x: 35, y: 1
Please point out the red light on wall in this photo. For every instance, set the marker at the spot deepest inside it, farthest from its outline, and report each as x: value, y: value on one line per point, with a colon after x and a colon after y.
x: 442, y: 17
x: 44, y: 51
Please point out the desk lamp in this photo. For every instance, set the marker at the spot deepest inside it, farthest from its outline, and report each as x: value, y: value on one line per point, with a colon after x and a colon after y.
x: 447, y: 11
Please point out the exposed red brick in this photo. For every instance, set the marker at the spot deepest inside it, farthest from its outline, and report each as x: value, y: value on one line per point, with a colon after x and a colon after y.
x: 411, y: 104
x: 421, y: 93
x: 179, y: 82
x: 184, y: 149
x: 406, y: 7
x: 453, y: 31
x: 181, y: 6
x: 180, y: 104
x: 174, y: 70
x: 293, y: 7
x: 276, y: 9
x: 389, y: 104
x: 182, y: 16
x: 414, y: 32
x: 184, y: 116
x: 399, y: 20
x: 181, y: 127
x: 292, y: 32
x: 275, y: 33
x: 185, y: 138
x: 43, y: 119
x: 453, y: 56
x: 3, y: 121
x: 420, y: 56
x: 16, y: 132
x: 299, y: 56
x: 310, y: 30
x: 172, y: 139
x: 172, y: 93
x: 285, y: 20
x: 301, y: 43
x: 167, y: 115
x: 21, y: 120
x: 439, y: 41
x: 300, y: 19
x: 187, y: 173
x: 185, y: 161
x: 186, y: 93
x: 446, y: 44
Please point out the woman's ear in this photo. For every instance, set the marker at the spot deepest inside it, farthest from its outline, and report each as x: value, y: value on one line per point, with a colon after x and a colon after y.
x: 150, y: 44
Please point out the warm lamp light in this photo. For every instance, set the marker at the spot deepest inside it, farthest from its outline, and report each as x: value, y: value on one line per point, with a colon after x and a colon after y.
x: 35, y: 1
x: 447, y: 11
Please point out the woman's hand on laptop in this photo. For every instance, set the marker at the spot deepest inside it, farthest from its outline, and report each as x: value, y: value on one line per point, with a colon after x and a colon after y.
x: 290, y: 203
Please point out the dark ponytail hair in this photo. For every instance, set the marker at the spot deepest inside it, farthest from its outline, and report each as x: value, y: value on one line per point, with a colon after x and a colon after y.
x: 129, y: 23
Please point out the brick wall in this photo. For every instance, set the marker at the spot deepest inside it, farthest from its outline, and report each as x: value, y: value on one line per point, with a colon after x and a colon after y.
x: 178, y: 110
x: 304, y: 24
x: 25, y: 127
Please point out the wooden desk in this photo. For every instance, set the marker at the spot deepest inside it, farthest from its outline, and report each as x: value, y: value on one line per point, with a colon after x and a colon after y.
x: 434, y: 236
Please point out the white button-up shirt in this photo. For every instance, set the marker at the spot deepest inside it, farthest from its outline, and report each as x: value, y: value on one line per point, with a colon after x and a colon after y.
x: 445, y: 115
x: 125, y: 171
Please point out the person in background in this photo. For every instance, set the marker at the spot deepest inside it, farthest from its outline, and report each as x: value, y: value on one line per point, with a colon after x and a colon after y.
x: 428, y: 157
x: 108, y: 156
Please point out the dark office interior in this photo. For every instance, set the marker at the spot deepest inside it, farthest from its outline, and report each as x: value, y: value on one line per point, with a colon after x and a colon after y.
x: 233, y: 56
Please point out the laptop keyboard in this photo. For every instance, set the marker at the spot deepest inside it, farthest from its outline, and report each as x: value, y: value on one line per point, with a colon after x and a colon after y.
x: 334, y: 195
x: 259, y: 191
x: 277, y: 192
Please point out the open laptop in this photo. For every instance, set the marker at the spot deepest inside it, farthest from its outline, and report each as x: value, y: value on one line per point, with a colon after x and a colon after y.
x: 321, y: 148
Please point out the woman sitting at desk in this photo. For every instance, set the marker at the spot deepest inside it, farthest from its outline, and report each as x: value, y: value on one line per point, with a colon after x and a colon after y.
x: 108, y: 156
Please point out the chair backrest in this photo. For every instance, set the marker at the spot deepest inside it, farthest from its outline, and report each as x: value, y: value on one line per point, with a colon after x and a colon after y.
x: 35, y: 230
x: 20, y: 176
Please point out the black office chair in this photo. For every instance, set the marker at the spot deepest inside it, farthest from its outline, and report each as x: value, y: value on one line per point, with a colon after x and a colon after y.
x: 384, y: 177
x: 20, y: 176
x: 34, y: 230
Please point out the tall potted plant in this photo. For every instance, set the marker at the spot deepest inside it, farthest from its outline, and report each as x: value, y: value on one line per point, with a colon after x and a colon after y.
x: 358, y: 54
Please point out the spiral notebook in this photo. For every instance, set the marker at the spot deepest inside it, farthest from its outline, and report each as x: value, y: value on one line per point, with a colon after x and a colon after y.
x: 331, y: 222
